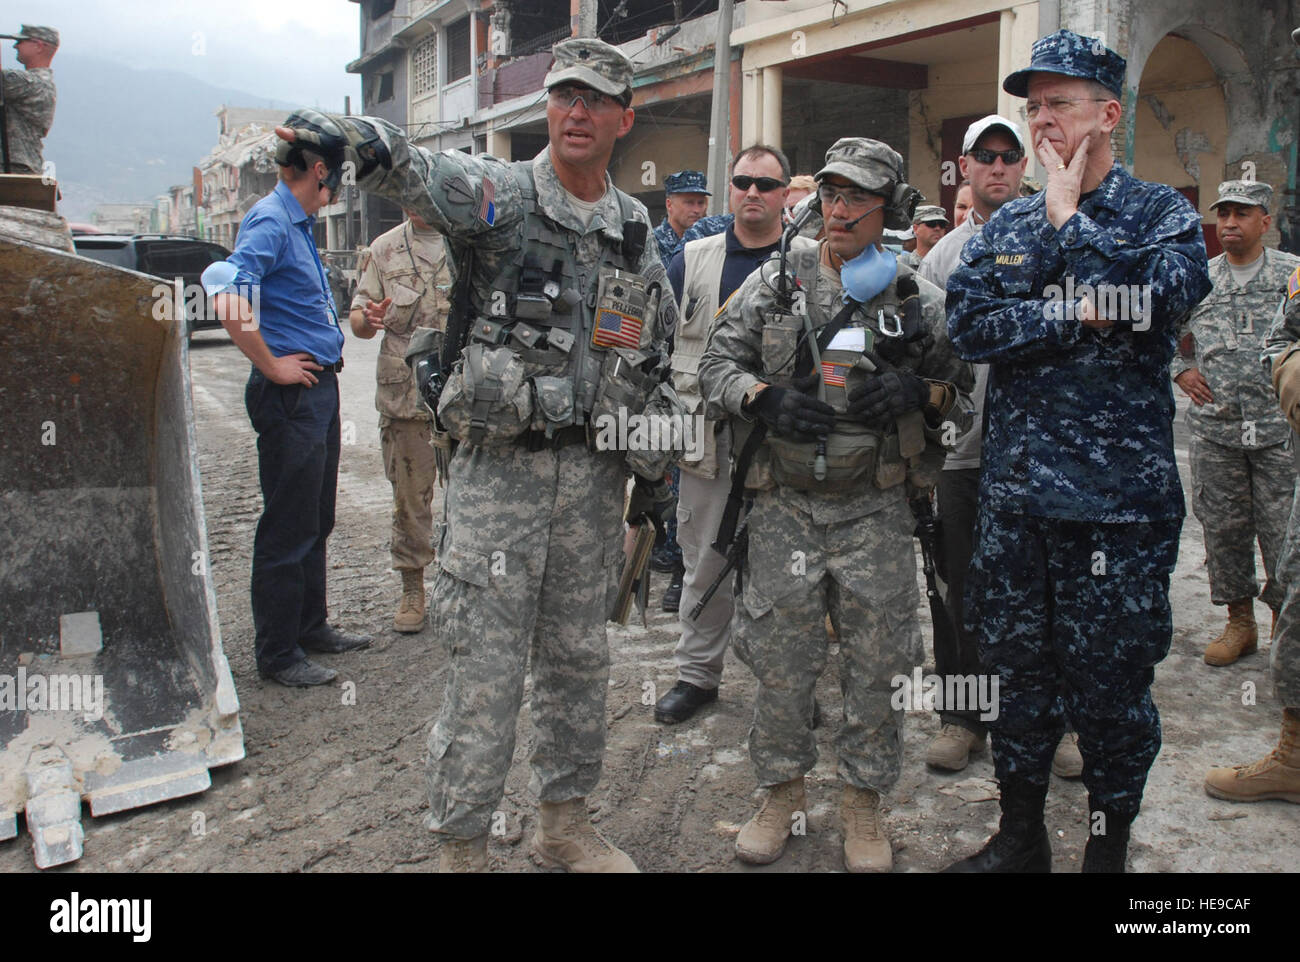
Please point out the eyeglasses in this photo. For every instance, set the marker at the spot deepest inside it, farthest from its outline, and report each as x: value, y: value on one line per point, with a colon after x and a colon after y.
x: 566, y: 97
x: 764, y: 184
x: 984, y: 156
x: 1058, y: 105
x: 853, y: 197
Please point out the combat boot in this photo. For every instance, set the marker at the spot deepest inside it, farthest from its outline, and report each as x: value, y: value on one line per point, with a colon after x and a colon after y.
x: 1107, y: 849
x: 763, y: 837
x: 410, y: 614
x: 1020, y: 844
x: 460, y: 855
x: 866, y: 849
x: 1240, y: 636
x: 565, y: 838
x: 1276, y: 775
x: 1067, y: 760
x: 952, y: 747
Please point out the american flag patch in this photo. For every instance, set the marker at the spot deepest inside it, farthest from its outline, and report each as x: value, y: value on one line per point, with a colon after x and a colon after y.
x: 833, y: 374
x: 1293, y: 284
x: 487, y: 211
x: 616, y: 330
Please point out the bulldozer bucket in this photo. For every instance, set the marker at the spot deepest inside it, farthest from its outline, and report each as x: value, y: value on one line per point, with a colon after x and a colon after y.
x: 113, y: 685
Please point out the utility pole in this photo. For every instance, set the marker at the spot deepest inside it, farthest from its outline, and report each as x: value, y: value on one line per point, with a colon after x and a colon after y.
x: 719, y: 117
x: 587, y: 15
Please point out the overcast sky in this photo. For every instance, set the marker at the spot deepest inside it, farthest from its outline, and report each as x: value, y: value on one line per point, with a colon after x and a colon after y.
x: 290, y: 50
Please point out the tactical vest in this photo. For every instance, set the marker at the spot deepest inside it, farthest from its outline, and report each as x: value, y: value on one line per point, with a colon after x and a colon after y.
x: 558, y: 354
x: 704, y: 260
x: 856, y: 453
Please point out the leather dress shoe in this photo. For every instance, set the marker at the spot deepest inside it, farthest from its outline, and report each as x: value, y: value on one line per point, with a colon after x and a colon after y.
x: 331, y: 641
x: 682, y: 702
x: 302, y: 674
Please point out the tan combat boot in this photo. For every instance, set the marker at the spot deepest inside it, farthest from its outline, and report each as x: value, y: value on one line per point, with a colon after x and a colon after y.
x: 1067, y: 760
x: 565, y: 838
x: 1240, y: 637
x: 763, y: 837
x: 952, y: 747
x: 865, y: 847
x: 410, y: 614
x: 460, y: 855
x: 1276, y: 775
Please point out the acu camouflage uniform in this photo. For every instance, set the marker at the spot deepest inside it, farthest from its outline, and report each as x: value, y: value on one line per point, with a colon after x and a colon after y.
x: 1243, y: 471
x: 1080, y: 501
x: 1282, y: 349
x: 846, y: 553
x: 530, y: 548
x: 29, y: 112
x: 411, y: 267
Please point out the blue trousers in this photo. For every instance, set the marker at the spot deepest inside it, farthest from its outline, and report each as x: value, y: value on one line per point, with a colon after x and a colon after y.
x: 1074, y: 614
x: 298, y: 466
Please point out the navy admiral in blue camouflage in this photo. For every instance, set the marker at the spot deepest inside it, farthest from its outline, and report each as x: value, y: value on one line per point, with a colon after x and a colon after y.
x: 1073, y: 297
x: 685, y: 194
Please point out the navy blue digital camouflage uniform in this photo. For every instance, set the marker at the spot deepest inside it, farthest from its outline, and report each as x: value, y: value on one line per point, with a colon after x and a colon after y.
x: 1080, y: 500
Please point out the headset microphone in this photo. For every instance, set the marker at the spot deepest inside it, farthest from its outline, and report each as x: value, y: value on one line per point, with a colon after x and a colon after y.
x: 854, y: 223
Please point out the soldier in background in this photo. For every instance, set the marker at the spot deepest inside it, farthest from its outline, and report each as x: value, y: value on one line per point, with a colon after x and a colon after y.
x: 962, y: 203
x: 1243, y: 472
x: 929, y: 224
x: 404, y: 283
x: 686, y: 195
x: 29, y: 98
x: 1277, y: 774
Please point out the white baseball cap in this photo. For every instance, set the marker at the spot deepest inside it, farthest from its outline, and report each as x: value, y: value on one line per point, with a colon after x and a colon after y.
x: 977, y: 129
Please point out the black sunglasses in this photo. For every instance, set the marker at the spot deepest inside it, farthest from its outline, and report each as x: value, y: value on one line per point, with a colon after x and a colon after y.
x: 764, y: 184
x: 985, y: 156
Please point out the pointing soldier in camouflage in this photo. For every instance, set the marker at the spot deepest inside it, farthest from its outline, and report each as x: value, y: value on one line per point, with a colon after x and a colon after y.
x: 1080, y: 503
x: 404, y: 284
x: 1243, y: 472
x: 830, y: 458
x: 568, y: 310
x: 29, y: 99
x: 1277, y: 774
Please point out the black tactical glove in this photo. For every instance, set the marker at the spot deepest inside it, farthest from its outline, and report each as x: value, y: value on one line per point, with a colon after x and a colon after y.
x: 887, y: 393
x: 651, y: 501
x: 338, y: 140
x: 792, y: 411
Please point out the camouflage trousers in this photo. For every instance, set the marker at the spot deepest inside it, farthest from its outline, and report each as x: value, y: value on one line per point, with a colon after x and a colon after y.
x: 409, y: 466
x: 1238, y: 495
x: 527, y: 565
x: 1076, y: 614
x: 863, y: 573
x: 1285, y: 657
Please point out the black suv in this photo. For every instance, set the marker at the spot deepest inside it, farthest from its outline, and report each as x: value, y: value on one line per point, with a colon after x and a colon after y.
x: 166, y: 256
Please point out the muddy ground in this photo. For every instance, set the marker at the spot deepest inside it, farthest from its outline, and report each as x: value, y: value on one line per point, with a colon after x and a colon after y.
x: 331, y: 787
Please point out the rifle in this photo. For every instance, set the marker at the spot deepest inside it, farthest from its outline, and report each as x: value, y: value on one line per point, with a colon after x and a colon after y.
x: 929, y: 533
x: 735, y: 555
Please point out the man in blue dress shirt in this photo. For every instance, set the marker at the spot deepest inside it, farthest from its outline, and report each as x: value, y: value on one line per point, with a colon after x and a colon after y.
x: 295, y: 343
x: 1073, y: 297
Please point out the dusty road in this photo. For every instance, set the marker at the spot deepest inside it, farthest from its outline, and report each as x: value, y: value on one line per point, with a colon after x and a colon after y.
x: 329, y: 786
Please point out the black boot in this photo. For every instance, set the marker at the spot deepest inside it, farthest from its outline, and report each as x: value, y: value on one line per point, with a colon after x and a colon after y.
x: 1107, y: 848
x: 1020, y: 844
x: 673, y: 593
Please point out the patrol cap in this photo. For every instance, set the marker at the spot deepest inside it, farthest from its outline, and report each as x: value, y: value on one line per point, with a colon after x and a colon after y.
x: 1249, y: 192
x: 687, y: 182
x: 929, y: 214
x: 977, y: 130
x: 1073, y: 55
x: 870, y: 164
x: 44, y: 34
x: 592, y: 62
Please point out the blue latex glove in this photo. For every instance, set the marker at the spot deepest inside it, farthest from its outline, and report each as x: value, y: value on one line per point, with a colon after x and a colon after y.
x: 868, y: 274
